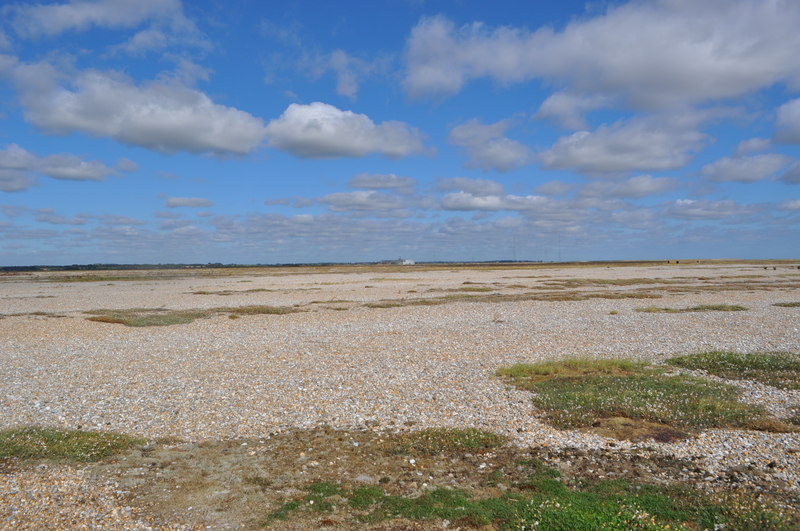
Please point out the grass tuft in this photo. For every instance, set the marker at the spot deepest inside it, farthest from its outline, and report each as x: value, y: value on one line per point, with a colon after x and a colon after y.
x: 440, y: 440
x: 587, y: 393
x: 138, y: 317
x: 778, y: 369
x: 48, y: 443
x: 699, y: 308
x: 787, y: 304
x: 162, y: 317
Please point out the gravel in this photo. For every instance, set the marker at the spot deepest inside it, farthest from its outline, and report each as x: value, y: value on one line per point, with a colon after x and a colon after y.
x: 383, y: 369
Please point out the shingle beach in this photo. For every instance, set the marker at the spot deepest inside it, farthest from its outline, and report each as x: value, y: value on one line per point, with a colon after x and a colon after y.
x: 343, y: 363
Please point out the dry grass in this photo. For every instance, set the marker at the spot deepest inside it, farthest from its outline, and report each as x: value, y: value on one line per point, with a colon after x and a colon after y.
x: 699, y: 308
x: 139, y: 317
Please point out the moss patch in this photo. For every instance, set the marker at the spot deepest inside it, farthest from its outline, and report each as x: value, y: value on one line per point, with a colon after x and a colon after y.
x: 48, y: 443
x: 588, y: 394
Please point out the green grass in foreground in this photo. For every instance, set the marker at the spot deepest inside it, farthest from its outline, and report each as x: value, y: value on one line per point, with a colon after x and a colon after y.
x: 544, y: 501
x: 778, y: 369
x: 699, y: 308
x: 164, y: 317
x: 47, y: 443
x: 580, y: 393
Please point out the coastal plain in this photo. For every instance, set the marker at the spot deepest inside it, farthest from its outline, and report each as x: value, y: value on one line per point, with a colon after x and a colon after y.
x: 263, y: 353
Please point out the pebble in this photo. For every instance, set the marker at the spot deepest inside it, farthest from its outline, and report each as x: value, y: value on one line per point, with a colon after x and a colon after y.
x: 386, y: 369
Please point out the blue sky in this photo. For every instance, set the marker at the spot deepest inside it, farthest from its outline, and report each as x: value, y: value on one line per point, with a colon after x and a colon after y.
x: 158, y: 131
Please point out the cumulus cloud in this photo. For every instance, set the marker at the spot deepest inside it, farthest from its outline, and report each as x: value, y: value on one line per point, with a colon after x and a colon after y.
x: 319, y: 130
x: 477, y: 187
x: 71, y: 168
x: 365, y: 201
x: 640, y: 144
x: 705, y: 209
x: 192, y: 202
x: 752, y: 145
x: 653, y: 54
x: 467, y: 201
x: 792, y: 174
x: 127, y: 165
x: 787, y: 127
x: 163, y: 115
x: 348, y: 69
x: 48, y: 215
x: 790, y: 204
x: 166, y: 23
x: 633, y: 188
x: 35, y: 20
x: 567, y: 109
x: 745, y: 169
x: 19, y: 167
x: 487, y: 147
x: 554, y: 188
x: 388, y: 181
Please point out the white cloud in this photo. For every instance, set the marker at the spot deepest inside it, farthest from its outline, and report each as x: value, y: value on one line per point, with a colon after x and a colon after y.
x: 787, y: 127
x: 192, y: 202
x: 35, y: 20
x: 752, y: 145
x: 704, y: 209
x: 5, y: 44
x: 478, y: 187
x: 466, y: 201
x: 790, y: 204
x: 71, y: 168
x: 383, y: 182
x: 651, y: 143
x: 18, y: 168
x: 7, y: 64
x: 792, y: 174
x: 162, y: 115
x: 47, y: 215
x: 487, y: 148
x: 554, y: 188
x: 635, y: 187
x: 654, y: 54
x: 319, y: 130
x: 127, y: 165
x: 568, y: 109
x: 362, y: 200
x: 349, y: 70
x: 14, y: 181
x: 745, y: 169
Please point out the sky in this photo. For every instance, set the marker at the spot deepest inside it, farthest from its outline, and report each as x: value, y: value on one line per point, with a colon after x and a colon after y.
x: 162, y: 131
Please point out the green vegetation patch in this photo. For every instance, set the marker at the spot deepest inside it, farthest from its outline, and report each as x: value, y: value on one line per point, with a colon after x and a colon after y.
x: 787, y: 304
x: 778, y: 369
x: 699, y: 308
x: 440, y: 440
x: 147, y: 316
x: 163, y: 317
x: 47, y: 443
x: 600, y: 393
x: 544, y: 501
